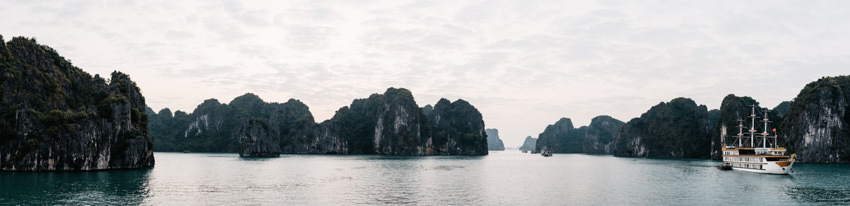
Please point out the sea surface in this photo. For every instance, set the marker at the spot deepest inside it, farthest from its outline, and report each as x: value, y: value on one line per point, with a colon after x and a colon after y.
x: 501, y: 178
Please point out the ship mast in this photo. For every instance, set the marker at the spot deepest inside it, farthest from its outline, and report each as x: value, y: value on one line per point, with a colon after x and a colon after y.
x: 753, y: 126
x: 764, y: 132
x: 740, y: 132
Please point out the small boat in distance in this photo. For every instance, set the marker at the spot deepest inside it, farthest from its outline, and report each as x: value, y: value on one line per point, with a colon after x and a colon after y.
x: 725, y: 166
x: 546, y: 153
x: 765, y: 158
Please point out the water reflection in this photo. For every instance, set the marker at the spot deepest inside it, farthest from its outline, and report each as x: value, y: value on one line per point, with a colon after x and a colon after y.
x: 501, y: 178
x: 820, y: 183
x: 258, y: 159
x: 86, y: 188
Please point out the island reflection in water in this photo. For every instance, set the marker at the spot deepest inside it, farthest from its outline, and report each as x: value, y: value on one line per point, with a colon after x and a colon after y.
x: 501, y: 178
x: 120, y: 187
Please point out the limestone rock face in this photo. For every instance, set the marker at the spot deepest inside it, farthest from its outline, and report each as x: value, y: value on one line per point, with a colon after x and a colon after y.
x: 599, y: 135
x: 494, y: 143
x: 679, y: 128
x: 258, y: 139
x: 595, y: 138
x: 398, y: 127
x: 560, y: 137
x: 780, y: 111
x: 56, y: 117
x: 529, y: 144
x: 732, y: 109
x: 390, y: 123
x: 817, y: 126
x: 456, y: 128
x: 217, y: 127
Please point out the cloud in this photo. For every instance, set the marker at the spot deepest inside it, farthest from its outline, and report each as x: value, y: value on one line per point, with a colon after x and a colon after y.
x: 523, y: 64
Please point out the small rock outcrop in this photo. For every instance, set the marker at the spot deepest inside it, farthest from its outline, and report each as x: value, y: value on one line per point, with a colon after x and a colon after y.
x: 494, y: 143
x: 679, y: 128
x: 817, y: 126
x: 529, y: 144
x: 258, y: 139
x: 56, y: 117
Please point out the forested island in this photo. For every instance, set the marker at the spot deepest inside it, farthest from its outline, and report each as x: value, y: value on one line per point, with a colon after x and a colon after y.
x: 56, y: 117
x: 390, y: 123
x: 595, y: 138
x: 814, y: 125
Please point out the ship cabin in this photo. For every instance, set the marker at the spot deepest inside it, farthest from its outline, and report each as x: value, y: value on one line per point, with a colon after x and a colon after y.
x: 754, y: 155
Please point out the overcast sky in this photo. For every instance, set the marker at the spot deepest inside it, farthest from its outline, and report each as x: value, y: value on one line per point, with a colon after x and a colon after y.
x: 523, y: 64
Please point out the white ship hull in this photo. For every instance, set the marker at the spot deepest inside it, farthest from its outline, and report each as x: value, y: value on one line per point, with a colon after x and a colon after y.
x: 759, y: 160
x: 769, y: 168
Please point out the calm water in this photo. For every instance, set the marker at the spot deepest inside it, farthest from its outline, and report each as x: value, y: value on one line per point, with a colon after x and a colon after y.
x: 502, y: 178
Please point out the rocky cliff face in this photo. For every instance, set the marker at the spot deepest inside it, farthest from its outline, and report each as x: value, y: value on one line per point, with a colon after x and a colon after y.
x: 595, y: 138
x: 217, y: 127
x: 678, y: 128
x: 780, y: 111
x: 56, y: 117
x: 560, y: 137
x: 298, y: 130
x: 258, y: 139
x: 816, y: 126
x: 456, y: 128
x: 494, y: 143
x: 389, y: 123
x: 599, y: 135
x: 529, y: 144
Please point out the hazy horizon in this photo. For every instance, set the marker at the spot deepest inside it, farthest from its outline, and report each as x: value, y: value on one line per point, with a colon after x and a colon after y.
x: 524, y: 65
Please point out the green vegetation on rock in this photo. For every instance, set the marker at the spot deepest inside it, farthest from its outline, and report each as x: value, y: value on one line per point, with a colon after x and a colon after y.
x: 595, y: 138
x: 56, y: 117
x: 732, y: 109
x: 679, y: 128
x: 389, y: 123
x: 817, y: 125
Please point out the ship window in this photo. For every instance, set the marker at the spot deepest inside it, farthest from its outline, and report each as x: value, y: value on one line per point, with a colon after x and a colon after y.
x: 771, y: 159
